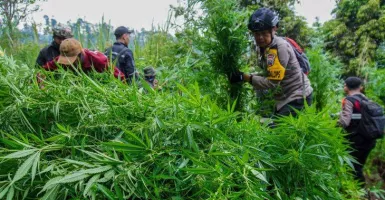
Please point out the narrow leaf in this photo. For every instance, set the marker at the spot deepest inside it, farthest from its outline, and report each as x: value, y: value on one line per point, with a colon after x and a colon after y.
x: 96, y: 170
x: 20, y: 154
x: 11, y: 193
x: 135, y: 137
x: 4, y: 191
x: 106, y: 192
x: 24, y: 168
x: 51, y: 182
x: 51, y: 194
x: 62, y: 128
x: 198, y: 170
x: 118, y: 191
x: 90, y: 183
x: 79, y: 163
x: 73, y: 177
x: 34, y: 166
x: 124, y: 147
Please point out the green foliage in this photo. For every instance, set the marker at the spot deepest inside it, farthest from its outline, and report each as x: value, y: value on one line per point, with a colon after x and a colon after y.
x: 374, y: 169
x: 94, y: 137
x: 375, y: 87
x: 94, y: 36
x: 225, y: 39
x: 324, y: 77
x: 158, y: 50
x: 356, y: 33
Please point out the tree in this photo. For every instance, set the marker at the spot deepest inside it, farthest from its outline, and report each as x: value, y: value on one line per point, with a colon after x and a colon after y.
x: 356, y: 33
x: 14, y: 11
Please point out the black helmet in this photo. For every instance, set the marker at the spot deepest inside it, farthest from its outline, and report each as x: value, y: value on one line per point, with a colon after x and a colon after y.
x: 263, y: 19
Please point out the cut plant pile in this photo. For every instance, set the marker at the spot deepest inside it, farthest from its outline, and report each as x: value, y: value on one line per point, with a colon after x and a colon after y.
x: 94, y: 137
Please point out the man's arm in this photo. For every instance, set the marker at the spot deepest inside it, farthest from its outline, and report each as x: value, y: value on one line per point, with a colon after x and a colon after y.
x: 259, y: 82
x: 50, y: 65
x: 346, y: 114
x: 129, y: 64
x: 40, y: 61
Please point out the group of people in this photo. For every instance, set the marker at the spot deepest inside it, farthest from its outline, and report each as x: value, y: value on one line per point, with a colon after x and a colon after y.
x: 69, y: 54
x: 279, y: 60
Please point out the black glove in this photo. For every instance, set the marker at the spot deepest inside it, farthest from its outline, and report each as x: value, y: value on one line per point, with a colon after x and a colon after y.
x: 236, y: 77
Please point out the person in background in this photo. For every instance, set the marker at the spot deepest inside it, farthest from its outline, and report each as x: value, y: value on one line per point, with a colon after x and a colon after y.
x: 150, y: 77
x: 74, y: 57
x: 121, y: 55
x: 51, y: 51
x: 349, y: 119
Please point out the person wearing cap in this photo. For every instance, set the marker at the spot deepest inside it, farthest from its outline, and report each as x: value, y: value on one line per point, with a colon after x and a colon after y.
x: 74, y: 57
x: 349, y: 120
x: 282, y: 71
x: 121, y: 55
x: 150, y: 77
x: 51, y: 51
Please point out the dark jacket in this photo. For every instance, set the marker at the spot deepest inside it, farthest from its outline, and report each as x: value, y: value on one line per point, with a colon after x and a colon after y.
x: 125, y: 62
x: 48, y: 53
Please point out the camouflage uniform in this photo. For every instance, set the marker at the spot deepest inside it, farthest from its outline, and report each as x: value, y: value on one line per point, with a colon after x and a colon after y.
x: 149, y: 76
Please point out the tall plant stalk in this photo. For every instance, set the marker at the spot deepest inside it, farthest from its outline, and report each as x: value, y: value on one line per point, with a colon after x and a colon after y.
x: 225, y: 39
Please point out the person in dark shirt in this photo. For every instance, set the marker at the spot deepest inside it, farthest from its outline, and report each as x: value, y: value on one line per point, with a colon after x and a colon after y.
x: 52, y: 51
x: 121, y: 55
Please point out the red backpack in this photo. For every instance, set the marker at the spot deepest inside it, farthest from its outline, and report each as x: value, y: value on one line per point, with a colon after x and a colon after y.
x: 301, y: 56
x: 100, y: 62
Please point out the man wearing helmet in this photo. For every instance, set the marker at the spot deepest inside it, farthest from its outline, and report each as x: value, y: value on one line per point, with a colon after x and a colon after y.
x: 283, y: 73
x: 51, y: 51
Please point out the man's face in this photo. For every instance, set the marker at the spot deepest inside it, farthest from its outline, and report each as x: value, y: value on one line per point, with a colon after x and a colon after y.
x: 149, y: 78
x: 263, y: 38
x: 126, y: 38
x: 58, y: 40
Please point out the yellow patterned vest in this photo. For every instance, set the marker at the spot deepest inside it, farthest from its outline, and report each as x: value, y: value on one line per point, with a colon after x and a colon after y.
x: 276, y: 72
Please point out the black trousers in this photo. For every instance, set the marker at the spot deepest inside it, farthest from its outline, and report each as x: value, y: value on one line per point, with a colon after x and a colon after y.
x: 298, y: 104
x: 361, y: 150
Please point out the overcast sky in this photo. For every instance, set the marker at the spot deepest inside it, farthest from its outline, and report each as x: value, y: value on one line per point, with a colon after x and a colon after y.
x: 139, y: 14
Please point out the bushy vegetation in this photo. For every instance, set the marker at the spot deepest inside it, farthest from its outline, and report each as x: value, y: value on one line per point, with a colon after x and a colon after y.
x: 94, y: 137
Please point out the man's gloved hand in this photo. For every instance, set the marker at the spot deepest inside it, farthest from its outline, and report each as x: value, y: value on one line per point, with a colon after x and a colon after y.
x: 236, y: 77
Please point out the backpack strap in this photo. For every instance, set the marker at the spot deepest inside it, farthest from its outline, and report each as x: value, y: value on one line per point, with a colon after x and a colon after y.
x: 358, y: 98
x: 110, y: 52
x: 356, y: 101
x: 294, y: 44
x: 120, y: 53
x: 116, y: 62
